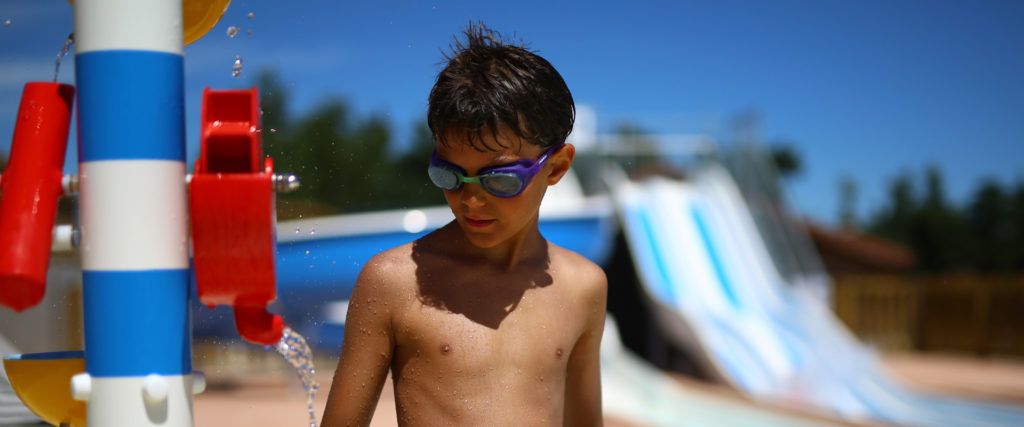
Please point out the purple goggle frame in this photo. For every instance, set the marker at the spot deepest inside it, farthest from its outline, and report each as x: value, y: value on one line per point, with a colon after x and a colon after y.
x: 500, y: 181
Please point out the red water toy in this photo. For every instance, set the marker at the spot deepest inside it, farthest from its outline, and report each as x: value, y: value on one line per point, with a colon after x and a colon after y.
x: 232, y: 207
x: 29, y: 189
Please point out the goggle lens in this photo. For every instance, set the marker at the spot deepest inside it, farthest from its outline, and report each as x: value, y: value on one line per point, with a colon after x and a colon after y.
x: 444, y: 178
x: 502, y: 185
x: 503, y: 181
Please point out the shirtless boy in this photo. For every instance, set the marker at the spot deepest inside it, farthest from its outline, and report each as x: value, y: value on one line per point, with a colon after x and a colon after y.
x: 482, y: 322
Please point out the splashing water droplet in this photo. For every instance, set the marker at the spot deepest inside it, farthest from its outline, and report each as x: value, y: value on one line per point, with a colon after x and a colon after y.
x: 236, y: 70
x: 297, y: 230
x: 232, y: 31
x: 298, y: 354
x: 7, y: 22
x: 272, y: 130
x: 251, y: 15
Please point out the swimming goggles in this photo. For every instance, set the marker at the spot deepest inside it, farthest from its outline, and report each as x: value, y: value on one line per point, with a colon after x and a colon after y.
x: 501, y: 181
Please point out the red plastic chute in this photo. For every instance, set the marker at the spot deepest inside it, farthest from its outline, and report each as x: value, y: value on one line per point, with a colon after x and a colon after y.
x: 232, y: 207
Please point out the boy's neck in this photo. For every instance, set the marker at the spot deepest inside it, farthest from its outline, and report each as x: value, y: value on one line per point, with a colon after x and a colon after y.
x: 522, y: 247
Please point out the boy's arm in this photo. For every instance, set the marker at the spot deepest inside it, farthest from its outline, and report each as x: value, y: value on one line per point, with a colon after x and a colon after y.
x: 583, y: 381
x: 366, y: 352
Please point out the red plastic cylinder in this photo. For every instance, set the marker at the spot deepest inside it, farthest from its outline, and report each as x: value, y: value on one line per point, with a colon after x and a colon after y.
x: 29, y: 189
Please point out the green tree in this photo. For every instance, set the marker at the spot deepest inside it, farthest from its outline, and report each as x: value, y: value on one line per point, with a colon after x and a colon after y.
x: 786, y: 159
x: 938, y: 233
x: 1016, y: 248
x: 895, y: 221
x: 345, y: 162
x: 407, y: 181
x: 984, y: 235
x: 991, y: 222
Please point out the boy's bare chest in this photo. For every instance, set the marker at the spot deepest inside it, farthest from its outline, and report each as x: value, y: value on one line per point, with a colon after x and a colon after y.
x: 531, y: 336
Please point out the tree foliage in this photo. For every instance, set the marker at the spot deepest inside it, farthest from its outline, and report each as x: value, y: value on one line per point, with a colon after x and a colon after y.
x: 787, y: 160
x: 986, y: 234
x: 345, y: 162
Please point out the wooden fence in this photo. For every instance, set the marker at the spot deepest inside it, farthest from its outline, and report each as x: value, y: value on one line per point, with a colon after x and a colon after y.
x: 975, y: 314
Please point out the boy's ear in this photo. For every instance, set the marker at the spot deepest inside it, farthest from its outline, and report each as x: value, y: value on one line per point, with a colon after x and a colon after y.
x: 560, y: 162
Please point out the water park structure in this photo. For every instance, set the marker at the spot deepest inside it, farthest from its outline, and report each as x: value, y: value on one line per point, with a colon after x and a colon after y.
x: 148, y: 231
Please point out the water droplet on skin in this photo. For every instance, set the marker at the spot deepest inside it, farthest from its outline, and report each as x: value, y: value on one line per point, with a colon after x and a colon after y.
x: 445, y: 349
x: 232, y: 31
x: 236, y: 70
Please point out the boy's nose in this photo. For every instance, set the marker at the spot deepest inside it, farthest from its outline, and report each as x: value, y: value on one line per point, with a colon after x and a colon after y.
x: 473, y: 195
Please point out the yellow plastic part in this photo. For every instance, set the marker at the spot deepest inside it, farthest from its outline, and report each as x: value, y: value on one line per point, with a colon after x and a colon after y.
x: 198, y: 17
x: 44, y: 385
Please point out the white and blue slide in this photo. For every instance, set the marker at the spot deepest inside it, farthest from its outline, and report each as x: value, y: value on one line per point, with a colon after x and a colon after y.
x: 634, y: 390
x: 706, y: 270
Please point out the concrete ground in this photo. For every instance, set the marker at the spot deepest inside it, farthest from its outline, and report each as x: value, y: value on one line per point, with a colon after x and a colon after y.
x: 996, y: 379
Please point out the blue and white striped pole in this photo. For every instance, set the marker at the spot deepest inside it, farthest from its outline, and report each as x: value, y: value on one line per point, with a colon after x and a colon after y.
x: 133, y: 211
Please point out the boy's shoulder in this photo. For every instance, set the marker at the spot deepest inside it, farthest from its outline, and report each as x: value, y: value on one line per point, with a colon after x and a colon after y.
x: 392, y: 266
x: 399, y: 263
x: 582, y: 271
x: 571, y: 259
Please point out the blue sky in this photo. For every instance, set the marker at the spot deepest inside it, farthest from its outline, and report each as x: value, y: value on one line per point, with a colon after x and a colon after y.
x: 866, y: 89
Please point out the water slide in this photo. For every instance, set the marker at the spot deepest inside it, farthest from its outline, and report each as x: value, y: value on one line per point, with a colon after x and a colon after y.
x: 634, y: 390
x: 713, y: 288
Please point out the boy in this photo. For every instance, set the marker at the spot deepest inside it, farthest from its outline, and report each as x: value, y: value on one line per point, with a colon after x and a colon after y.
x: 483, y: 321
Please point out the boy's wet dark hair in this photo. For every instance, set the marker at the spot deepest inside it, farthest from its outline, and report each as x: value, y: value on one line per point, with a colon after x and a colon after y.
x: 489, y: 83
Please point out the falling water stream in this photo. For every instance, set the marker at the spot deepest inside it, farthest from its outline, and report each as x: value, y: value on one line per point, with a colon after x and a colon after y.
x: 63, y: 52
x: 295, y: 350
